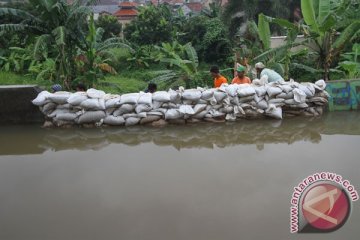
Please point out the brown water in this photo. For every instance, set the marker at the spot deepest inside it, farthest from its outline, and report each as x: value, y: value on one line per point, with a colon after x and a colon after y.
x: 201, y: 182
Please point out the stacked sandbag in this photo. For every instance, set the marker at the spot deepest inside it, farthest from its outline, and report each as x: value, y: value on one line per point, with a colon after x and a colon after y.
x: 227, y: 103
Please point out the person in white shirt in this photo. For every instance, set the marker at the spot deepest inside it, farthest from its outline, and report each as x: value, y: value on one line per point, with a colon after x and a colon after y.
x: 272, y: 75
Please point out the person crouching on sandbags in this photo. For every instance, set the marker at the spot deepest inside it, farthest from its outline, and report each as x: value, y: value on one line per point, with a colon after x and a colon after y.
x: 218, y: 78
x: 272, y: 75
x: 240, y: 76
x: 152, y: 87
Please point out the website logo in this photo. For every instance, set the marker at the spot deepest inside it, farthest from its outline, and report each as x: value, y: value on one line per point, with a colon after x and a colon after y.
x: 321, y: 203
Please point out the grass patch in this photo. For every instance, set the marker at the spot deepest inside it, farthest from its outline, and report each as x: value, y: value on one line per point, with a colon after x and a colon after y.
x: 121, y: 84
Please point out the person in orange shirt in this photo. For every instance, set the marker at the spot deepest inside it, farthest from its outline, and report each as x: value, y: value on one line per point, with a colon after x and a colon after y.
x: 218, y: 78
x: 241, y: 78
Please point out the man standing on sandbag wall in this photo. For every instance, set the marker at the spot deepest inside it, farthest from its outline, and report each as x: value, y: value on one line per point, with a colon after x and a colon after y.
x: 272, y: 75
x: 218, y: 78
x: 241, y: 78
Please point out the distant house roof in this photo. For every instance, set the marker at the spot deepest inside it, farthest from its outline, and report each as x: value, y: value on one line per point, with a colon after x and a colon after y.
x: 126, y: 13
x: 105, y: 8
x: 195, y: 6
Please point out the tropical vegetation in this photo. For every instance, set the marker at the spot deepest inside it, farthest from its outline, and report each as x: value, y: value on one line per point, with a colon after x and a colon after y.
x: 51, y: 41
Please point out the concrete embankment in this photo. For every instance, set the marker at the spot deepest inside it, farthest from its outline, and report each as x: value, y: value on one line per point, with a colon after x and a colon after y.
x: 16, y: 106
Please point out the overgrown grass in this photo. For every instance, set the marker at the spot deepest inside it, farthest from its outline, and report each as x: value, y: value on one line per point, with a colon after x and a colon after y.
x: 9, y: 78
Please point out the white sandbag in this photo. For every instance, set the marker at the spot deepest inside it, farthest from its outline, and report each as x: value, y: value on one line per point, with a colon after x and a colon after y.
x: 110, y: 111
x: 286, y: 88
x: 219, y: 96
x: 273, y: 91
x: 186, y: 109
x: 299, y: 95
x: 262, y: 105
x: 291, y: 102
x: 157, y: 104
x: 143, y: 108
x: 145, y: 98
x: 170, y: 105
x: 274, y: 112
x: 66, y: 116
x: 155, y: 113
x: 276, y: 100
x: 131, y: 121
x: 48, y: 107
x: 260, y: 91
x: 199, y: 108
x: 234, y: 101
x: 54, y: 113
x: 200, y: 115
x: 114, y: 121
x: 191, y: 94
x: 93, y: 104
x: 91, y: 117
x: 227, y: 109
x: 231, y: 117
x: 77, y: 98
x: 306, y: 90
x: 300, y: 105
x: 321, y: 84
x: 173, y: 114
x: 41, y: 98
x: 161, y: 96
x: 310, y: 86
x: 232, y: 89
x: 215, y: 113
x: 59, y: 97
x: 257, y: 98
x: 149, y: 119
x: 247, y: 98
x: 94, y: 93
x: 238, y: 110
x: 207, y: 94
x: 112, y: 102
x: 175, y: 96
x: 123, y: 109
x: 63, y: 106
x: 142, y: 115
x: 245, y: 90
x: 129, y: 98
x: 129, y: 115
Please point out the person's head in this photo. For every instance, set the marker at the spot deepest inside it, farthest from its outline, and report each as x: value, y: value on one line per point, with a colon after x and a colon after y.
x: 56, y: 88
x: 259, y: 67
x: 152, y: 87
x: 240, y: 71
x: 81, y: 87
x: 214, y: 71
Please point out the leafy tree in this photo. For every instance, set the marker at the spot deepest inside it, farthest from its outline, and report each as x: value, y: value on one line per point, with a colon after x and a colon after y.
x: 185, y: 69
x: 96, y: 58
x: 60, y: 29
x: 238, y: 12
x: 209, y: 38
x: 331, y: 27
x: 152, y: 26
x: 110, y: 24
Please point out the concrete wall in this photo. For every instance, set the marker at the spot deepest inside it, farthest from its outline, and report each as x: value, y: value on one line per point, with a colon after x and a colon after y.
x: 16, y: 106
x: 344, y: 95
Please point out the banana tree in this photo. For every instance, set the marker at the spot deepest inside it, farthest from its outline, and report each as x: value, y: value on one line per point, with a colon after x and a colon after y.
x: 279, y: 58
x: 97, y: 56
x: 185, y: 68
x: 60, y: 29
x: 329, y: 28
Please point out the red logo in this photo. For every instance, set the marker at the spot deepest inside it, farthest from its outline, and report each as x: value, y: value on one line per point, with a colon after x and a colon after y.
x: 325, y: 207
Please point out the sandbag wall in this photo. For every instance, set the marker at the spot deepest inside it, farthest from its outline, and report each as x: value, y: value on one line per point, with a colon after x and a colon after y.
x: 227, y: 103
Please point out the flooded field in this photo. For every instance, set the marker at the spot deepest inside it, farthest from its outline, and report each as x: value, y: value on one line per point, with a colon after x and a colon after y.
x: 196, y: 182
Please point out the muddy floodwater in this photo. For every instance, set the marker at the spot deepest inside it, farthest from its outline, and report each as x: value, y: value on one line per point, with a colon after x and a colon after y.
x: 225, y: 181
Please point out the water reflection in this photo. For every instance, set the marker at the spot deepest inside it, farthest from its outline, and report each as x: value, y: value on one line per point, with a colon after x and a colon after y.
x: 34, y: 140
